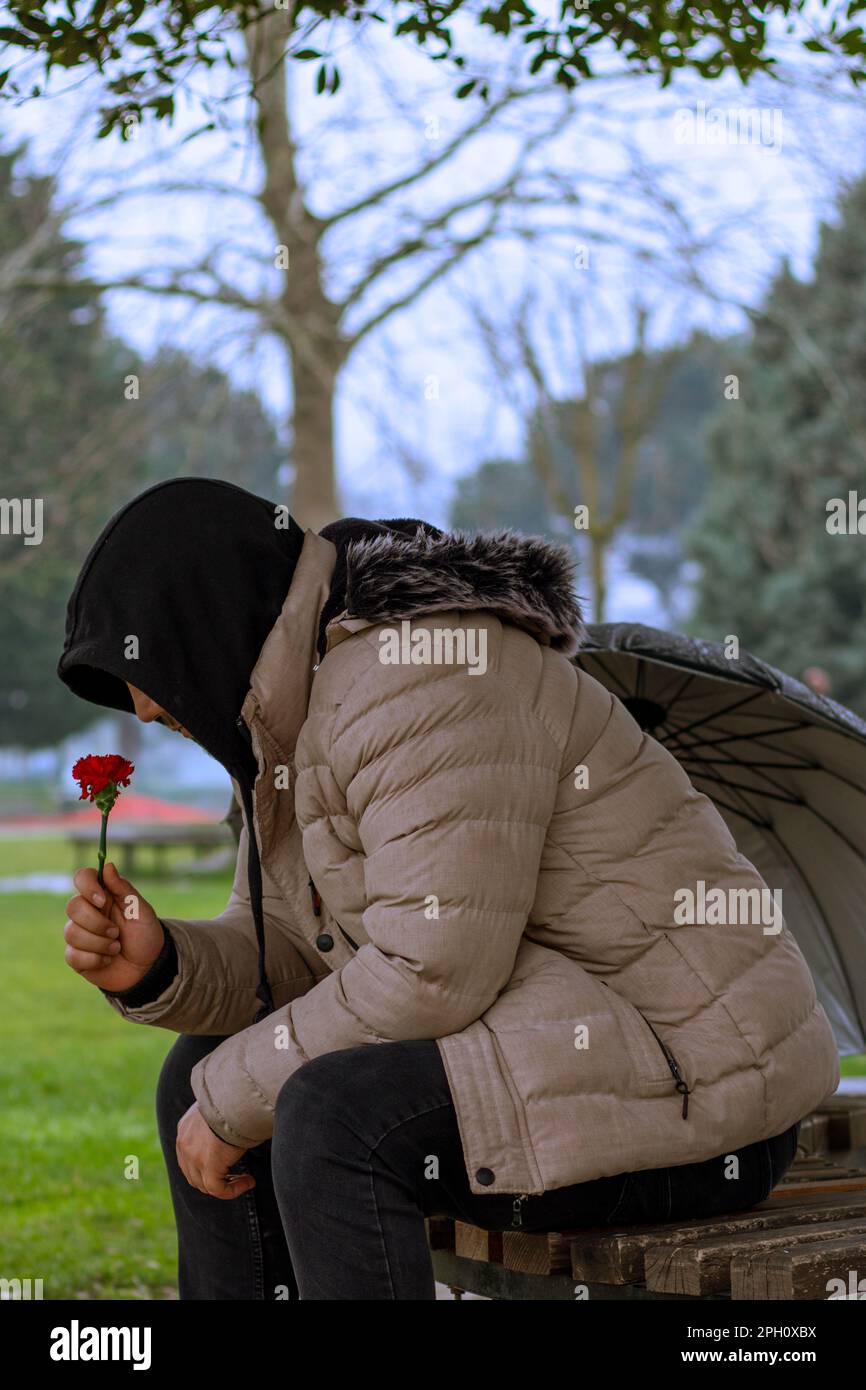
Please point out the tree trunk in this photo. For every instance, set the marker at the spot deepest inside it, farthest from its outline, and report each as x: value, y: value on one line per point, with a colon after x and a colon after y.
x: 306, y: 319
x: 597, y: 548
x: 314, y: 492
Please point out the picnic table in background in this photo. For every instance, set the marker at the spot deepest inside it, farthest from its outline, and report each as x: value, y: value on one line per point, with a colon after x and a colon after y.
x: 141, y: 822
x: 126, y: 839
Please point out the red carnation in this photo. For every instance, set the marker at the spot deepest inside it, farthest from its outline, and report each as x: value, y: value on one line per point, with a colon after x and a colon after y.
x: 100, y: 779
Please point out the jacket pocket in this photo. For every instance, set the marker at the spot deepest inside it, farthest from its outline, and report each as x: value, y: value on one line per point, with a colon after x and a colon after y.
x: 654, y: 1062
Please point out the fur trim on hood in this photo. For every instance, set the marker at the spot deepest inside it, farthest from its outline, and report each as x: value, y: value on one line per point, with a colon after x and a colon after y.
x: 524, y: 580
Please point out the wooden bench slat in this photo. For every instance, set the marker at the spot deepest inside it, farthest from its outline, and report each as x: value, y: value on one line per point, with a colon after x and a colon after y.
x: 785, y: 1191
x: 606, y: 1256
x: 705, y: 1267
x: 817, y: 1172
x: 799, y: 1273
x: 537, y: 1254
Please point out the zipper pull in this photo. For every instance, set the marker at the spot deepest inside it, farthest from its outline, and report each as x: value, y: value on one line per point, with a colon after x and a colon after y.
x: 681, y: 1086
x: 517, y: 1217
x: 317, y: 901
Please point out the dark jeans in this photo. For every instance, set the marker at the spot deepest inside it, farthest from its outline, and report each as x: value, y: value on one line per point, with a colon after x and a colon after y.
x: 365, y: 1145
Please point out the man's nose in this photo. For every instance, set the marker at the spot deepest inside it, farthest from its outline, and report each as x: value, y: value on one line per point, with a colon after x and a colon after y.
x: 147, y: 710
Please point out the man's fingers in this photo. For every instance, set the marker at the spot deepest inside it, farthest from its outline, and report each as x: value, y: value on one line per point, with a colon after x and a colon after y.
x: 87, y: 883
x: 183, y: 1164
x: 217, y: 1185
x: 84, y: 940
x: 119, y: 887
x: 213, y: 1184
x: 90, y: 918
x: 82, y: 961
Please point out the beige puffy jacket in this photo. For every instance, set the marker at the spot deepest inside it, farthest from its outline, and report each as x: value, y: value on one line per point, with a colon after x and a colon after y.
x: 481, y: 891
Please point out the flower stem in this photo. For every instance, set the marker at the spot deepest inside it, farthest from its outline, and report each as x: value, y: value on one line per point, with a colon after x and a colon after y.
x: 101, y: 855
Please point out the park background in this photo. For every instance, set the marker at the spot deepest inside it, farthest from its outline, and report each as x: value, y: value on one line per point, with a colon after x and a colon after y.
x: 385, y: 299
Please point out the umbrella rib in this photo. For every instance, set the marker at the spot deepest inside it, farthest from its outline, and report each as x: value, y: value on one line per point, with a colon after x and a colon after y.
x: 750, y: 811
x: 677, y: 695
x: 737, y: 762
x: 807, y: 883
x: 778, y: 795
x: 691, y: 755
x: 754, y: 791
x: 747, y: 737
x: 718, y: 714
x: 819, y: 815
x: 611, y: 674
x: 694, y: 757
x: 694, y: 750
x: 746, y: 815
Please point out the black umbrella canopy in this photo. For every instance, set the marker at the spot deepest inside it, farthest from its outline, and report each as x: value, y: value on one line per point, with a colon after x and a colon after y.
x: 787, y: 770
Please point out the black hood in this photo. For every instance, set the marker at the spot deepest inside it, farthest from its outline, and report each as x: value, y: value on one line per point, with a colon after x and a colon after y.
x: 177, y: 596
x: 192, y: 574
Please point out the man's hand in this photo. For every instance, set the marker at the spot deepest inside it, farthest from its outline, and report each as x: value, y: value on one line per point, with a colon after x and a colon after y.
x: 205, y: 1159
x: 112, y: 935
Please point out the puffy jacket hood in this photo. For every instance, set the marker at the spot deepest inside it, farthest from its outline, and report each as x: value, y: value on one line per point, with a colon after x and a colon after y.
x: 526, y: 581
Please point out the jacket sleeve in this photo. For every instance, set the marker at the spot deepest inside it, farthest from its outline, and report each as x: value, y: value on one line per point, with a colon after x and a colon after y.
x: 205, y: 979
x: 452, y: 824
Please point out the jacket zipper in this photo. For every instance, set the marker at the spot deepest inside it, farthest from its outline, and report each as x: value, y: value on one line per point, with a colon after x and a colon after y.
x: 682, y: 1085
x: 517, y: 1209
x: 317, y: 912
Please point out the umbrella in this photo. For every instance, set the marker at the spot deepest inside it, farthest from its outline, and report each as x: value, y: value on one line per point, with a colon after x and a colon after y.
x: 787, y: 770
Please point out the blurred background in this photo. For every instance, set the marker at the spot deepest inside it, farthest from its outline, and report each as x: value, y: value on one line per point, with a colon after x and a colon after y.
x: 626, y: 316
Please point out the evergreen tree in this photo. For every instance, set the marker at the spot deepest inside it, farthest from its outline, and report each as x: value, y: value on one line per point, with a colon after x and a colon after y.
x: 76, y: 435
x: 771, y: 572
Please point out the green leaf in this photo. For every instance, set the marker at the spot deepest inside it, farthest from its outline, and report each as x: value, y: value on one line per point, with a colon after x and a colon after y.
x: 143, y: 40
x: 305, y: 54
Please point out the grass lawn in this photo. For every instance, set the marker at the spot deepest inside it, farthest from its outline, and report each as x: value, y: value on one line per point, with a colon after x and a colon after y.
x: 78, y: 1088
x: 78, y: 1091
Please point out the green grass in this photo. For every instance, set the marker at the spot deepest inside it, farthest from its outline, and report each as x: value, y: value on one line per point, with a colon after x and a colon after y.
x: 78, y: 1086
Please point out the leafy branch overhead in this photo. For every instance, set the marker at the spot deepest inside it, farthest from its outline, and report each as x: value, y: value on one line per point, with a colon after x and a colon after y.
x: 145, y: 52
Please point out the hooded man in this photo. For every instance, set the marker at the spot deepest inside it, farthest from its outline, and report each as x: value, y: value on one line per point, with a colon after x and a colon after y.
x: 421, y: 865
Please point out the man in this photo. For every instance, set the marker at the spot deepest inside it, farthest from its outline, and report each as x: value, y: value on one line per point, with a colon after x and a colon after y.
x: 474, y: 861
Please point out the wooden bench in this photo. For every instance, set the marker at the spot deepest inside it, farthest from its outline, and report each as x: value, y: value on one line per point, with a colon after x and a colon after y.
x: 810, y: 1230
